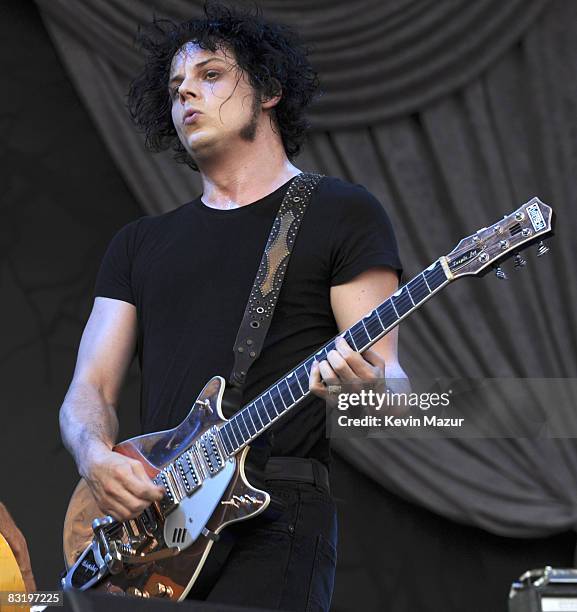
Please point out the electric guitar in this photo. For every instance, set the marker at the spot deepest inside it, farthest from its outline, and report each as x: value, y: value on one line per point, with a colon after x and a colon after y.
x: 200, y: 463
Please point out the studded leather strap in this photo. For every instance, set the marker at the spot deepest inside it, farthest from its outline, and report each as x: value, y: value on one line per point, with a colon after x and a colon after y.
x: 270, y: 275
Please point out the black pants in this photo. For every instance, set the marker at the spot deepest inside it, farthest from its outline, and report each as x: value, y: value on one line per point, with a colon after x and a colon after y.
x: 284, y: 564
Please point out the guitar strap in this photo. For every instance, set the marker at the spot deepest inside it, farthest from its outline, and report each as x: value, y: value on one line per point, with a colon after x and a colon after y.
x: 249, y: 342
x: 267, y: 285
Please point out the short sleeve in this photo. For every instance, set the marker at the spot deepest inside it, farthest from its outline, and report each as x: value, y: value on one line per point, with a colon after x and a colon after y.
x: 363, y: 236
x: 114, y: 276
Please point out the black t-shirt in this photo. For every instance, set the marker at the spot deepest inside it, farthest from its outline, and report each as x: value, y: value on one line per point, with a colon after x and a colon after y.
x: 189, y: 273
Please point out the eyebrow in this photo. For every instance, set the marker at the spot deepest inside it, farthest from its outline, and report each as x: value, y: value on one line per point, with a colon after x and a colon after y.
x: 179, y: 77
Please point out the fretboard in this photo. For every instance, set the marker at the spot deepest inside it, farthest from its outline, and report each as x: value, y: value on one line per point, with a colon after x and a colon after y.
x: 277, y: 400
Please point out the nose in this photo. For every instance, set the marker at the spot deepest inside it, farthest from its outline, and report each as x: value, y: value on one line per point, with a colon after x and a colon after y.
x: 187, y: 89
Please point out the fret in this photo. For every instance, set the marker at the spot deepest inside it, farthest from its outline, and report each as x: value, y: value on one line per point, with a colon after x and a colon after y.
x: 409, y: 294
x: 277, y: 400
x: 350, y: 340
x: 387, y: 313
x: 242, y: 426
x: 435, y: 275
x: 236, y: 432
x: 418, y: 289
x: 360, y: 335
x: 303, y: 376
x: 277, y: 412
x: 330, y: 346
x: 255, y: 416
x: 248, y: 422
x: 301, y: 388
x: 226, y: 441
x: 437, y: 278
x: 373, y: 325
x: 263, y: 414
x: 401, y: 302
x: 285, y: 392
x: 294, y: 387
x: 308, y: 365
x: 269, y: 407
x: 426, y: 283
x: 249, y: 416
x: 366, y: 330
x: 321, y: 355
x: 285, y: 382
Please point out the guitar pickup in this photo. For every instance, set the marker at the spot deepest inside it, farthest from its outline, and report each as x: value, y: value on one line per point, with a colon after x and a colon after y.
x: 210, y: 453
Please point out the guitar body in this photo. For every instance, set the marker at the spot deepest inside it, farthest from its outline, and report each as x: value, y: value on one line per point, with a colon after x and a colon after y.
x: 189, y: 530
x: 10, y: 576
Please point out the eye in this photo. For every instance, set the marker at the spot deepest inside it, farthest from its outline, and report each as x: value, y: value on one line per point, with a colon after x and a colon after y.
x: 212, y: 75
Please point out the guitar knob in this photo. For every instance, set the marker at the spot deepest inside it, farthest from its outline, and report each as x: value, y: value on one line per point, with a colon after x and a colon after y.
x: 500, y: 273
x: 542, y: 248
x: 519, y: 261
x: 161, y: 590
x: 134, y: 591
x: 100, y: 522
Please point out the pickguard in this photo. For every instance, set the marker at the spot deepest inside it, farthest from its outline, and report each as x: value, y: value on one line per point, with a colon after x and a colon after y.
x: 184, y: 524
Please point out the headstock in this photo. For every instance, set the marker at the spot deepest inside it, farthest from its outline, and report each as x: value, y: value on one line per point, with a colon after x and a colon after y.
x: 489, y: 246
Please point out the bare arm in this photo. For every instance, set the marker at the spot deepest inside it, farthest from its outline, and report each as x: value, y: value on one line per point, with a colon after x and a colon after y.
x: 88, y: 420
x: 350, y: 302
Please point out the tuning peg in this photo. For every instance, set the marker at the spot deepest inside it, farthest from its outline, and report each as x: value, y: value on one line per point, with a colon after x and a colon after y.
x: 542, y: 248
x: 519, y: 261
x: 500, y: 273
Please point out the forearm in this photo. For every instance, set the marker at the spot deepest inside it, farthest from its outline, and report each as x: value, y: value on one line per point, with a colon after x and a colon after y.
x: 87, y: 422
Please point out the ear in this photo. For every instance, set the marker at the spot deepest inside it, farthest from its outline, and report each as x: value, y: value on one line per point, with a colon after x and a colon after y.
x: 273, y: 100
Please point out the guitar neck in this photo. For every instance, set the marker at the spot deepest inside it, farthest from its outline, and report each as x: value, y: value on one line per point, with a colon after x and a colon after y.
x: 277, y: 400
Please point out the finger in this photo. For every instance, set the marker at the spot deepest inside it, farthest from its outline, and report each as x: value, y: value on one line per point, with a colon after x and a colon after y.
x: 327, y: 373
x: 113, y: 509
x: 316, y: 385
x: 125, y: 489
x: 108, y: 505
x: 129, y: 504
x: 315, y: 376
x: 376, y: 360
x: 340, y: 367
x: 144, y: 491
x: 148, y: 490
x: 359, y: 366
x: 343, y: 346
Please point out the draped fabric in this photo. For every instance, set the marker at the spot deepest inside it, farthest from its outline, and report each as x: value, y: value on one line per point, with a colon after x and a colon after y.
x: 376, y: 60
x: 453, y: 114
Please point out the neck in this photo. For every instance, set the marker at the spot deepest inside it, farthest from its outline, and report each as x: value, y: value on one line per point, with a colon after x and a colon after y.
x: 246, y: 173
x: 254, y: 418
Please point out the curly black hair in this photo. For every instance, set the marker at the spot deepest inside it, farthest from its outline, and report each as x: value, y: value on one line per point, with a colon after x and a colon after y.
x: 272, y: 56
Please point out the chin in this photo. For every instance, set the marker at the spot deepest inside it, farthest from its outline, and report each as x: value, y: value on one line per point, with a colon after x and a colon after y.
x: 202, y: 146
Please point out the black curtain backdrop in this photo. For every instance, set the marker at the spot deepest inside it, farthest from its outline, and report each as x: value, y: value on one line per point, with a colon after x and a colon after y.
x: 464, y: 122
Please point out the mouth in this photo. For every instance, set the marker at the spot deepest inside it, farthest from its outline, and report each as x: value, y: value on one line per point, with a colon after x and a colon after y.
x: 190, y: 117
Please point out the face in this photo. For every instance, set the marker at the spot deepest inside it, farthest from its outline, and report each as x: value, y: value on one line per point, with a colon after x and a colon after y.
x: 213, y: 104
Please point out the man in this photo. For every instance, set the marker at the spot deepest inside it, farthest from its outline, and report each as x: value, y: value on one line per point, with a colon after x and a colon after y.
x: 228, y: 94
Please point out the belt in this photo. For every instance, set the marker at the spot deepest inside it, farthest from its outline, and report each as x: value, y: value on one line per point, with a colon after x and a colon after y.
x: 298, y: 469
